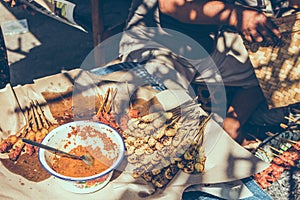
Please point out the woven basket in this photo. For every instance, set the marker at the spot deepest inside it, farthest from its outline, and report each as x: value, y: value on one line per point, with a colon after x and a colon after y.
x: 277, y: 65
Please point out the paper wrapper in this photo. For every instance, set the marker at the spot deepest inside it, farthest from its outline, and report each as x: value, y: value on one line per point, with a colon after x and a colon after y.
x: 226, y: 160
x: 12, y: 119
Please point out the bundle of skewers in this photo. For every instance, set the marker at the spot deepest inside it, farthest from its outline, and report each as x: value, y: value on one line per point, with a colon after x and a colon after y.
x: 281, y: 161
x: 105, y: 112
x: 36, y: 128
x: 160, y: 143
x: 284, y: 156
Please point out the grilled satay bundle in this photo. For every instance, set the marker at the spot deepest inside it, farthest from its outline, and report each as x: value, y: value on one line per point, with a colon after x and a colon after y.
x: 105, y: 114
x: 36, y: 128
x: 162, y: 143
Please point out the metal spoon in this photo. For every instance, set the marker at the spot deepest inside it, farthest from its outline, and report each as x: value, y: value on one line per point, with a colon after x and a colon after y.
x: 87, y: 158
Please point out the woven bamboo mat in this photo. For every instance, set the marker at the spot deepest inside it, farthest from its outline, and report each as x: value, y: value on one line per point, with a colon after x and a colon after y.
x: 277, y: 64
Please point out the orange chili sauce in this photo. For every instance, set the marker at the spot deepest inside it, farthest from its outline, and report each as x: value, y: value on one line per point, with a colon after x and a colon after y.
x: 77, y: 168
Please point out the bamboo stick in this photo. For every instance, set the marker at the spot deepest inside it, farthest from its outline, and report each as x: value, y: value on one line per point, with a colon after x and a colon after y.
x: 275, y: 149
x: 45, y: 122
x: 285, y: 139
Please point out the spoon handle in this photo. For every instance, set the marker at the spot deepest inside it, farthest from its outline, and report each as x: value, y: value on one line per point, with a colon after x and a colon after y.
x: 49, y: 148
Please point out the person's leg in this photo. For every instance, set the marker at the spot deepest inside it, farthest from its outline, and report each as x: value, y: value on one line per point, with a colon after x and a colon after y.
x: 4, y: 68
x: 244, y: 102
x: 271, y: 117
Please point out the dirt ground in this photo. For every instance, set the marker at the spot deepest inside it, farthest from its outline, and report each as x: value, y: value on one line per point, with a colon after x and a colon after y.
x: 51, y: 46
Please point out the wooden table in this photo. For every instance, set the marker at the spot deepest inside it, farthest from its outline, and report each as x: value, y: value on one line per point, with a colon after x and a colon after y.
x: 99, y: 27
x: 97, y: 20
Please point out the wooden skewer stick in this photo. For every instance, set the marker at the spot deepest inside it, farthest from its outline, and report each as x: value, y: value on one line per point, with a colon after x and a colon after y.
x: 275, y: 149
x: 185, y: 107
x: 108, y: 103
x: 130, y: 103
x: 100, y: 99
x: 37, y: 116
x: 185, y: 111
x: 113, y: 96
x: 273, y: 154
x: 17, y: 148
x: 110, y: 100
x: 174, y: 120
x: 102, y: 106
x: 285, y: 139
x: 199, y: 138
x: 288, y: 140
x: 45, y: 122
x: 108, y: 91
x: 260, y: 150
x: 290, y: 118
x: 33, y: 121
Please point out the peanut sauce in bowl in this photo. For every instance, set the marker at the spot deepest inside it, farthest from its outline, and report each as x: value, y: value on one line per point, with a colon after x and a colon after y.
x: 77, y: 168
x: 99, y: 140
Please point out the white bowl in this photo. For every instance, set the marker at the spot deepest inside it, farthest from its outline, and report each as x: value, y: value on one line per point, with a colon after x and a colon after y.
x: 65, y: 138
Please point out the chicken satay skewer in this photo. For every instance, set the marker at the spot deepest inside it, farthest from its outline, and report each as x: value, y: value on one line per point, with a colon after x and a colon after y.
x: 22, y: 131
x: 31, y: 135
x: 35, y: 125
x: 6, y: 144
x: 195, y: 151
x: 19, y: 145
x: 41, y: 130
